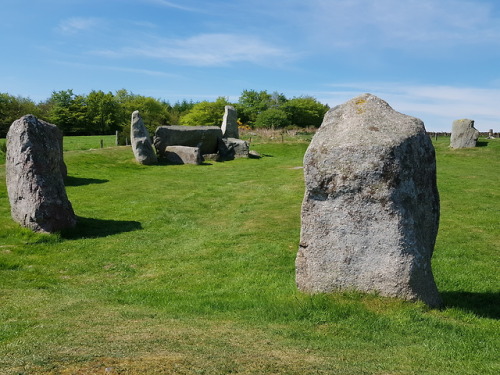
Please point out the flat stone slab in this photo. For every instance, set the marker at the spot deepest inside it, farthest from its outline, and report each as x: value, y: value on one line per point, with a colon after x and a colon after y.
x: 183, y: 155
x: 204, y: 137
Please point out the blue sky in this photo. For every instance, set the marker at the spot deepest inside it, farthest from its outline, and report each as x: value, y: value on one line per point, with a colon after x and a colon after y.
x: 438, y: 60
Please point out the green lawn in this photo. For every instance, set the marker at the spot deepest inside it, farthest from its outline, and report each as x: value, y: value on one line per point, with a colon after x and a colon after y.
x: 190, y: 270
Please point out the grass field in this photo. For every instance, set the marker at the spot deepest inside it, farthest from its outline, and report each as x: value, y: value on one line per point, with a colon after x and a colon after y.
x: 190, y: 270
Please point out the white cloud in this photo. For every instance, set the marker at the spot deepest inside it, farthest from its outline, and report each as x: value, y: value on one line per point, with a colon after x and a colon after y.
x: 77, y: 24
x: 171, y: 4
x: 437, y: 106
x: 402, y: 24
x: 207, y: 50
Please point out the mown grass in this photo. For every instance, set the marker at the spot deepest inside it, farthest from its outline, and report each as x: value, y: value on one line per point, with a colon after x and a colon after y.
x: 190, y: 270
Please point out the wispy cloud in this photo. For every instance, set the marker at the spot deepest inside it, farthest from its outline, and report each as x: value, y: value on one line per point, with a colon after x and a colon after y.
x: 402, y: 24
x: 75, y: 25
x: 148, y: 72
x: 171, y: 4
x: 437, y: 105
x: 207, y: 50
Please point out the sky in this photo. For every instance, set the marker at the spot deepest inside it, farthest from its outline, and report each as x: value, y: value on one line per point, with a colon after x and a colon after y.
x: 438, y: 60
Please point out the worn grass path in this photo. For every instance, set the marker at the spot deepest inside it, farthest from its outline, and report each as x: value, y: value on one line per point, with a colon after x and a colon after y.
x: 190, y: 270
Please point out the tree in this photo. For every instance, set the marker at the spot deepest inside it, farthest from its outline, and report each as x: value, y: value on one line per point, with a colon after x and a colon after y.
x: 12, y: 108
x: 153, y: 111
x: 251, y: 103
x: 272, y: 118
x: 103, y: 113
x: 305, y: 111
x: 206, y: 113
x: 68, y: 112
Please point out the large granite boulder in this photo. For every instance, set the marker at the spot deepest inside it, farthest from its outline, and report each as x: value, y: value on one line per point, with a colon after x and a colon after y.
x: 141, y: 141
x: 463, y: 134
x: 371, y: 207
x: 183, y: 155
x: 34, y: 174
x: 204, y: 137
x: 229, y: 125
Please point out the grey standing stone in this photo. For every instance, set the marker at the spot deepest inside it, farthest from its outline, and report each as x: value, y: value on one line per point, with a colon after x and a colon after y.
x: 204, y: 137
x: 141, y: 142
x: 34, y: 174
x: 230, y: 123
x: 463, y: 134
x: 183, y: 155
x: 371, y: 207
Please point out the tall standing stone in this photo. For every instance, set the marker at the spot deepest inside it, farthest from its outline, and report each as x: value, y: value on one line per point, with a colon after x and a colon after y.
x: 371, y: 208
x: 230, y: 123
x: 34, y: 175
x: 141, y: 141
x: 463, y: 134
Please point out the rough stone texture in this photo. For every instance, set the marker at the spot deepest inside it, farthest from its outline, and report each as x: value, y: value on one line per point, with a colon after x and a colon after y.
x: 236, y: 148
x: 141, y: 141
x: 230, y: 123
x: 371, y: 208
x: 204, y: 137
x: 183, y: 155
x: 463, y: 134
x: 34, y: 174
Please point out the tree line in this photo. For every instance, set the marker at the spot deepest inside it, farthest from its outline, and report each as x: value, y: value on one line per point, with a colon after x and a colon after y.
x: 104, y: 113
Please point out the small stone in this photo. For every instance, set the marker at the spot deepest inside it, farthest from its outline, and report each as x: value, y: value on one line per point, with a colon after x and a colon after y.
x: 254, y: 154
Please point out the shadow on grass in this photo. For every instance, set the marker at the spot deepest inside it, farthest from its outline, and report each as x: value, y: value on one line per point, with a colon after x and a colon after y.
x: 80, y: 181
x: 93, y: 228
x: 481, y: 143
x: 486, y: 305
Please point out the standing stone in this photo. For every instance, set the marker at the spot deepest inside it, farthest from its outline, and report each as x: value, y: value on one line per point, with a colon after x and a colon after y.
x: 34, y: 174
x: 230, y: 123
x: 141, y: 142
x: 371, y: 207
x: 463, y: 134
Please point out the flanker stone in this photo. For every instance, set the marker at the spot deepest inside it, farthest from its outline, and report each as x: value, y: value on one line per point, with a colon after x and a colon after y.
x: 204, y: 137
x: 229, y: 125
x: 183, y: 155
x: 371, y: 207
x: 463, y: 134
x: 141, y: 141
x: 34, y: 174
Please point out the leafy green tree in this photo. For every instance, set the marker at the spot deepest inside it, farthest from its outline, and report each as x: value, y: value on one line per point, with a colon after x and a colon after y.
x: 12, y: 108
x: 305, y: 111
x: 69, y: 112
x: 179, y: 109
x: 103, y: 113
x: 272, y: 118
x: 251, y: 103
x: 153, y: 111
x: 206, y: 113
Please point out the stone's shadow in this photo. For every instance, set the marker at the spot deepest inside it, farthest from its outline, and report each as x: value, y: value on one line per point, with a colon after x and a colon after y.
x: 486, y: 305
x: 80, y: 181
x: 87, y: 227
x: 481, y: 143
